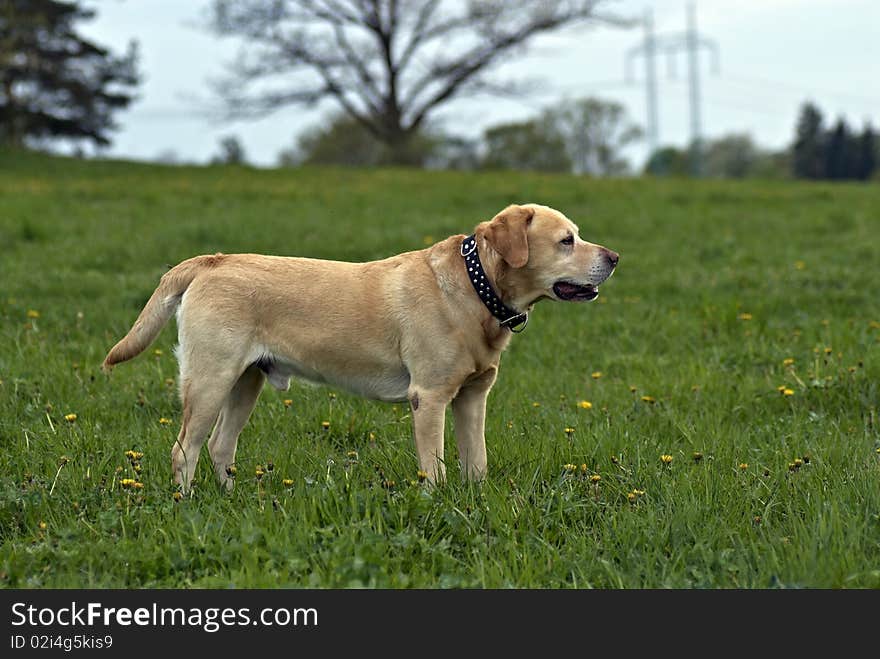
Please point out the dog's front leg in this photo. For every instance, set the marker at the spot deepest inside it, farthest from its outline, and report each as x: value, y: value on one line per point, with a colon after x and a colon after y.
x: 469, y: 408
x: 429, y: 417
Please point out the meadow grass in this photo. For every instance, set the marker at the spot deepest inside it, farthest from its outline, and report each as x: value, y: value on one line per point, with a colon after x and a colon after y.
x: 739, y: 338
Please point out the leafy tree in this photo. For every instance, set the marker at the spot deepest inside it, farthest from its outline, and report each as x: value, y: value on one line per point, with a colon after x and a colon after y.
x: 387, y: 64
x: 529, y: 145
x: 344, y: 141
x: 808, y: 152
x: 732, y: 156
x: 668, y: 161
x: 53, y: 82
x: 594, y: 132
x: 231, y: 152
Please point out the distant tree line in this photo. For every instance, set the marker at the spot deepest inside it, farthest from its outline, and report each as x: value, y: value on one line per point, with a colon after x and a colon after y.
x: 817, y: 153
x: 583, y: 136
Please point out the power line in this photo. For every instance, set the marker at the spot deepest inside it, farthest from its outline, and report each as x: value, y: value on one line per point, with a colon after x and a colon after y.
x: 795, y: 88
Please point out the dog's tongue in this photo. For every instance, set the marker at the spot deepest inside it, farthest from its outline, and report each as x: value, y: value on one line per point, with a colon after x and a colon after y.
x: 573, y: 292
x: 568, y: 290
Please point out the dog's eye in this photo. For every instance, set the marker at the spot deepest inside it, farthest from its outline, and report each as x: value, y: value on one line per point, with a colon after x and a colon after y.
x: 568, y: 240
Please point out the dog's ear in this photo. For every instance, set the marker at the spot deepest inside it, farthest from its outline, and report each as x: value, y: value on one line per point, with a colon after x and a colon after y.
x: 506, y: 233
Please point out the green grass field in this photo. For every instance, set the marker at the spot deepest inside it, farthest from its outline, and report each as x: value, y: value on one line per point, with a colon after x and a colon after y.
x: 727, y: 294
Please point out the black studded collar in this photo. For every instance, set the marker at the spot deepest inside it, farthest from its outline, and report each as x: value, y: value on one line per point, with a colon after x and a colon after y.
x: 510, y: 318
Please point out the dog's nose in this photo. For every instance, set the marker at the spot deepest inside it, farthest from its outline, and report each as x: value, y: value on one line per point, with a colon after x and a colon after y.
x: 613, y: 257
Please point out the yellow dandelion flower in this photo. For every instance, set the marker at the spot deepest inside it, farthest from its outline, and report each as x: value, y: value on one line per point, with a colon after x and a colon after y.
x: 793, y: 466
x: 631, y: 496
x: 697, y: 456
x: 258, y: 472
x: 788, y: 392
x: 743, y: 466
x: 287, y: 482
x: 422, y: 476
x: 569, y: 431
x: 536, y: 404
x: 666, y: 459
x: 43, y: 526
x: 788, y: 361
x: 231, y: 471
x: 632, y: 389
x: 127, y: 482
x: 353, y: 455
x: 372, y: 436
x: 584, y: 468
x: 639, y: 493
x: 595, y: 478
x: 569, y: 467
x: 163, y: 421
x: 648, y: 399
x: 828, y: 350
x: 288, y: 402
x: 33, y: 313
x: 133, y: 455
x: 70, y: 418
x: 158, y: 352
x: 137, y: 485
x: 745, y: 316
x: 756, y: 519
x: 781, y: 388
x: 798, y: 462
x: 596, y: 375
x: 177, y: 496
x: 388, y: 484
x: 325, y: 425
x: 585, y: 404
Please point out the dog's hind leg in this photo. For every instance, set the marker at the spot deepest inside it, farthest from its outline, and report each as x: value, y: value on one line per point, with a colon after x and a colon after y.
x: 233, y: 417
x: 204, y: 393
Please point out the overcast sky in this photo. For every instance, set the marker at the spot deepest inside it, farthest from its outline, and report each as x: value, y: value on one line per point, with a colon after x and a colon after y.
x: 774, y: 54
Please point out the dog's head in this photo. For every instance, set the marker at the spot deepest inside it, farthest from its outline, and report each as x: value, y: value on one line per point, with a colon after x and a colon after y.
x: 542, y: 255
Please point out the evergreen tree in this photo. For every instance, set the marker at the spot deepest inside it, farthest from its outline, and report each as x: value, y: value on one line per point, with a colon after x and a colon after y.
x: 53, y: 82
x: 838, y: 153
x: 867, y: 154
x: 808, y: 157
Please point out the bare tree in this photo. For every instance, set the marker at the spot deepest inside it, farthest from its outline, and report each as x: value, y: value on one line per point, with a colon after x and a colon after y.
x: 387, y: 63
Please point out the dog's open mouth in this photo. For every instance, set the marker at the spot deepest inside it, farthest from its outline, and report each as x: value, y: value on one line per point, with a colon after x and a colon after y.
x: 565, y: 290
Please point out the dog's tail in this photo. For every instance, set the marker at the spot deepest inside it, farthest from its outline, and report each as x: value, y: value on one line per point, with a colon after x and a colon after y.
x: 159, y: 308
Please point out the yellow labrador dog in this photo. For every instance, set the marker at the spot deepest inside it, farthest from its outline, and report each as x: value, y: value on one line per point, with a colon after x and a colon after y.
x: 426, y: 326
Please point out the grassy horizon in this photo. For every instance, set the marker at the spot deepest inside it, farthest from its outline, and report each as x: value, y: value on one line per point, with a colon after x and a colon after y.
x: 739, y: 338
